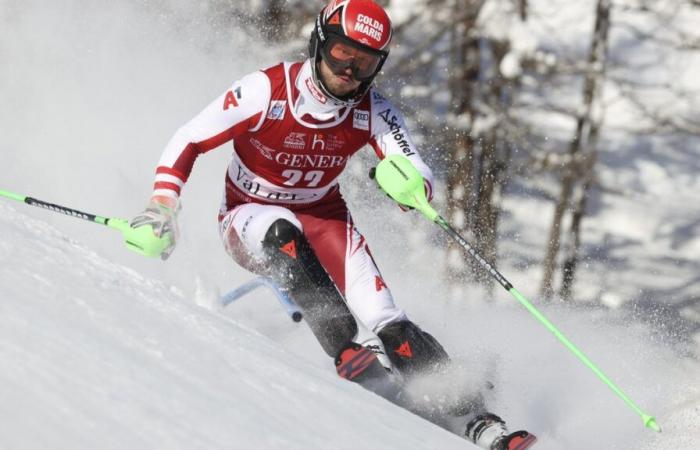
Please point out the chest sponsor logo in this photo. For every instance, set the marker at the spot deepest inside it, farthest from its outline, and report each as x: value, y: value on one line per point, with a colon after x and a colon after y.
x: 310, y: 161
x: 314, y: 91
x: 295, y: 141
x: 396, y: 131
x: 327, y: 142
x: 360, y: 120
x: 264, y: 150
x: 277, y: 108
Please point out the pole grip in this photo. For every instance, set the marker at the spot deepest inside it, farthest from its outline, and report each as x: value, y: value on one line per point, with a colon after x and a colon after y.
x: 12, y: 195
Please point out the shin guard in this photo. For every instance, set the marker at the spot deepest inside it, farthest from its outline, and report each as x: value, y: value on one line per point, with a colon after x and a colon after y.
x: 295, y: 266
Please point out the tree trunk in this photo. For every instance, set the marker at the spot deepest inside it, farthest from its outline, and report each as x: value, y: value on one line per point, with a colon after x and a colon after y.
x: 479, y: 162
x: 571, y: 259
x: 460, y: 177
x: 553, y: 242
x: 579, y: 174
x: 522, y: 9
x: 493, y: 160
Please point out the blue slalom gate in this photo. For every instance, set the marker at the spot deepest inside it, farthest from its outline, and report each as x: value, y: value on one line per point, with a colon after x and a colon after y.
x: 291, y: 308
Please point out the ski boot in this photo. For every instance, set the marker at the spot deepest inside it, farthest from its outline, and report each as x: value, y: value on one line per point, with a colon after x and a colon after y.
x: 519, y: 440
x: 489, y: 432
x: 361, y: 365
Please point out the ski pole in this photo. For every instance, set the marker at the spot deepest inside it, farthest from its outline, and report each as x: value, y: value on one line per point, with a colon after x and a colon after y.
x: 397, y: 177
x: 141, y: 240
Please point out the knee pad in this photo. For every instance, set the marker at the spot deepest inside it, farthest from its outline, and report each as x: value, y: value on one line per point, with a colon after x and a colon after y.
x: 412, y: 350
x: 287, y: 248
x: 295, y: 266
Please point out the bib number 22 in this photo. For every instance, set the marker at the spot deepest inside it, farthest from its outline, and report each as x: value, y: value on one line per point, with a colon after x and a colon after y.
x: 312, y: 178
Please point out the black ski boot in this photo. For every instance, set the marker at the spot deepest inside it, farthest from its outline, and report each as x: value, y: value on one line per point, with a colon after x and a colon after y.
x: 360, y: 365
x: 489, y: 432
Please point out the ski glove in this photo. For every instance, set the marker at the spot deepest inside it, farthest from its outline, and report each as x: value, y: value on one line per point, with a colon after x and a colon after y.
x: 163, y: 221
x: 372, y: 173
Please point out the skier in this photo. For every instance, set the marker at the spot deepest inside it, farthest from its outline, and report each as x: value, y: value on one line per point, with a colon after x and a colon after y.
x: 294, y: 126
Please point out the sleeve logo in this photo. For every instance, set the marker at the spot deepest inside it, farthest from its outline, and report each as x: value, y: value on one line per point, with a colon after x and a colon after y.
x: 360, y: 120
x: 231, y: 99
x: 277, y: 108
x: 397, y: 131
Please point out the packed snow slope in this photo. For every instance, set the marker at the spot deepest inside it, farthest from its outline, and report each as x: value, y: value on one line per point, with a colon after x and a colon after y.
x: 96, y: 356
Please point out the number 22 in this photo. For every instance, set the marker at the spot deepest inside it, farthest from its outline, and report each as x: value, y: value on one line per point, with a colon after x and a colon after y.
x: 313, y: 177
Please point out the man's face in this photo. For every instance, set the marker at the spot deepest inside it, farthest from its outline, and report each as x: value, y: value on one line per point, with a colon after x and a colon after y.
x: 338, y: 85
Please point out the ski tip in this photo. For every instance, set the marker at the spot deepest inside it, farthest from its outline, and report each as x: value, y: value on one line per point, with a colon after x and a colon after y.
x: 523, y: 441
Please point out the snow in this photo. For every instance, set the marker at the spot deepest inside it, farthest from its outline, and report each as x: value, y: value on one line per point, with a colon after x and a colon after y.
x: 510, y: 66
x: 97, y: 356
x: 102, y: 348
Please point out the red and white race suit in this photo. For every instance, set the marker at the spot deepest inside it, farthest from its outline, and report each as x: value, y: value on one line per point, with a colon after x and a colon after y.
x: 290, y: 145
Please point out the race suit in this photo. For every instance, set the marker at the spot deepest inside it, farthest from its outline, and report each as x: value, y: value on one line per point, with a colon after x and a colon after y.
x: 290, y: 145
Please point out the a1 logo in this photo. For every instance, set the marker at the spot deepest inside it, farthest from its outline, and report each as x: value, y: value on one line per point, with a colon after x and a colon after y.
x: 231, y: 98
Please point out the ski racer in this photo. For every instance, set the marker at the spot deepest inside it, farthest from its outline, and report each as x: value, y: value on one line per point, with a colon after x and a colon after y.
x: 294, y: 126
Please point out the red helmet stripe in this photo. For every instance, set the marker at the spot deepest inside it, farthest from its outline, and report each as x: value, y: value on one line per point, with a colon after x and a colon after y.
x: 333, y: 6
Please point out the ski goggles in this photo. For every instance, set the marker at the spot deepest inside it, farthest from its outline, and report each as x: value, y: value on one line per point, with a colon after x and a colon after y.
x: 341, y: 54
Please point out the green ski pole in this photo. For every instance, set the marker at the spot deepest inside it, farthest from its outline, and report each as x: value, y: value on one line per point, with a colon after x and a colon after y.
x: 141, y: 240
x: 397, y: 177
